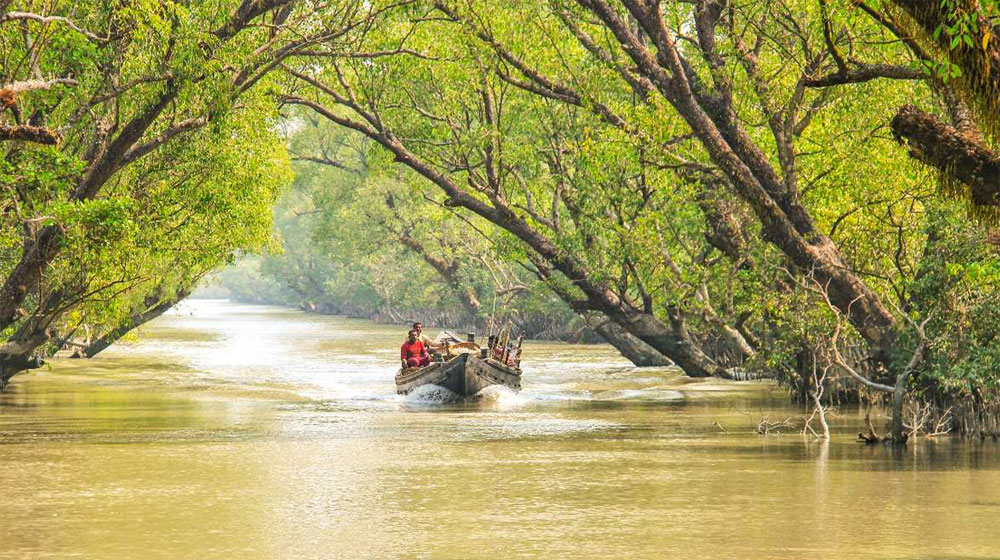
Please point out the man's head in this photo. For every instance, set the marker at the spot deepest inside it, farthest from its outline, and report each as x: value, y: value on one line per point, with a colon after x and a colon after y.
x: 419, y: 327
x: 412, y: 335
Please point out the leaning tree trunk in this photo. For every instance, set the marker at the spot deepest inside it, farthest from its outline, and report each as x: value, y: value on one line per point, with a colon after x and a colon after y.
x: 633, y: 349
x: 630, y: 346
x: 49, y: 242
x: 666, y: 339
x: 12, y: 365
x: 154, y: 308
x: 958, y: 154
x: 670, y: 340
x: 18, y: 352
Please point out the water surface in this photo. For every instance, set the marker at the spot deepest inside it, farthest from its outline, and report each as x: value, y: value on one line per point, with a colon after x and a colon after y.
x: 231, y: 431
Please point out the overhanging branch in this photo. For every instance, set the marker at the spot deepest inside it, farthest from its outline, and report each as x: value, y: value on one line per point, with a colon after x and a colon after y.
x: 958, y: 155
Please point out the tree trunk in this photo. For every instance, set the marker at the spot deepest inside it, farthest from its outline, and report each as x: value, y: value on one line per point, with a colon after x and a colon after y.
x: 959, y: 155
x: 28, y: 133
x: 738, y: 344
x: 448, y: 271
x: 654, y: 332
x: 108, y: 158
x: 18, y: 352
x: 896, y: 429
x: 785, y: 222
x: 672, y: 341
x: 154, y: 308
x: 669, y: 340
x: 725, y: 230
x: 633, y: 349
x: 11, y: 365
x: 27, y: 273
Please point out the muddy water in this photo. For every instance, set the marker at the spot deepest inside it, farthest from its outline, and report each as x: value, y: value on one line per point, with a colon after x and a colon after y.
x: 229, y: 431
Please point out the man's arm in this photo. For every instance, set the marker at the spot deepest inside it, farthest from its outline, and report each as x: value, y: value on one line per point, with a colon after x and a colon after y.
x: 428, y: 344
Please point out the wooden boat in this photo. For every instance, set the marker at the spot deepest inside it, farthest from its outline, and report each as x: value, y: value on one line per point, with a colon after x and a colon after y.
x: 464, y: 375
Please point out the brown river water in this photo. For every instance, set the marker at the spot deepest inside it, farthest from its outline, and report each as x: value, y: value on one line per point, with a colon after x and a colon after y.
x: 232, y: 431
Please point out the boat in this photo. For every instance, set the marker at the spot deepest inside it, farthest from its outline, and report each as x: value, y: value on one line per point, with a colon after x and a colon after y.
x: 465, y: 375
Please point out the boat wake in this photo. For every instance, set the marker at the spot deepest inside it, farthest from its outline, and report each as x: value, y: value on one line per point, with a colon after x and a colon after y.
x: 430, y: 394
x: 499, y: 395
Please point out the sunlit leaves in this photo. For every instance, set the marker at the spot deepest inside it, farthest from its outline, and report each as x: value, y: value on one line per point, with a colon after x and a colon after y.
x: 165, y: 219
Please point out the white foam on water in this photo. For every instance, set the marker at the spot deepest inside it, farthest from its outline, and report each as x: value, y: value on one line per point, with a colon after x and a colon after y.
x: 430, y: 394
x: 500, y: 395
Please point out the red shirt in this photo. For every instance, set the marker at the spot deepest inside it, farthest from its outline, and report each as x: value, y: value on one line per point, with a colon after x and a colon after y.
x: 412, y: 350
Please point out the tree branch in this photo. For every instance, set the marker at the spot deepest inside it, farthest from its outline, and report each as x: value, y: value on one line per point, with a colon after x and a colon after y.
x: 25, y: 16
x: 866, y: 73
x: 956, y: 154
x: 28, y: 133
x: 186, y: 125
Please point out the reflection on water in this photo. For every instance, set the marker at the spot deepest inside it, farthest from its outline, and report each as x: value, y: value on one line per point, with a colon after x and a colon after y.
x: 231, y: 431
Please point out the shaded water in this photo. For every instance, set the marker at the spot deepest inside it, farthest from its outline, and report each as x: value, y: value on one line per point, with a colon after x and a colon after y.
x: 231, y: 431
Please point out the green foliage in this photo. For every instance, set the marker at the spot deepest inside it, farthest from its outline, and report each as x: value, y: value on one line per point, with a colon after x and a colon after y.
x: 341, y: 253
x: 957, y: 285
x: 611, y: 176
x: 166, y: 218
x: 630, y: 201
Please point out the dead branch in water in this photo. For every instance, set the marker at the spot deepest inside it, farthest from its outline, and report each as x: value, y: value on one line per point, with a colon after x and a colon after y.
x: 765, y: 427
x: 924, y: 418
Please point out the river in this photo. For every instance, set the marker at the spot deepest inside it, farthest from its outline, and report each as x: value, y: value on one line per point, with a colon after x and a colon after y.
x: 234, y: 431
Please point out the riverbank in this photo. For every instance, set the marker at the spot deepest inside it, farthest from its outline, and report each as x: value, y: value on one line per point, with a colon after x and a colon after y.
x: 229, y: 431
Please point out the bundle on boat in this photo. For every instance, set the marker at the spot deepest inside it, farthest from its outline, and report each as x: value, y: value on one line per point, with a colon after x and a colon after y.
x: 464, y: 367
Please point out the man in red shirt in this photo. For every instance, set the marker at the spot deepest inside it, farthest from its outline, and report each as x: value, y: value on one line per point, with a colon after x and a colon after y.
x: 414, y: 353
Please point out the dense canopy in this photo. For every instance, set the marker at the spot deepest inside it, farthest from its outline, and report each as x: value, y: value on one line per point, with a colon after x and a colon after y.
x: 802, y: 189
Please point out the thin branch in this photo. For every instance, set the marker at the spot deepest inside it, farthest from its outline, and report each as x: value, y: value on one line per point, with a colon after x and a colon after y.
x: 184, y: 126
x: 866, y: 73
x: 44, y: 20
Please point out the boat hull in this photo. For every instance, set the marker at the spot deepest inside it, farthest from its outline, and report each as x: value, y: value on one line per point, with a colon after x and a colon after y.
x: 465, y: 375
